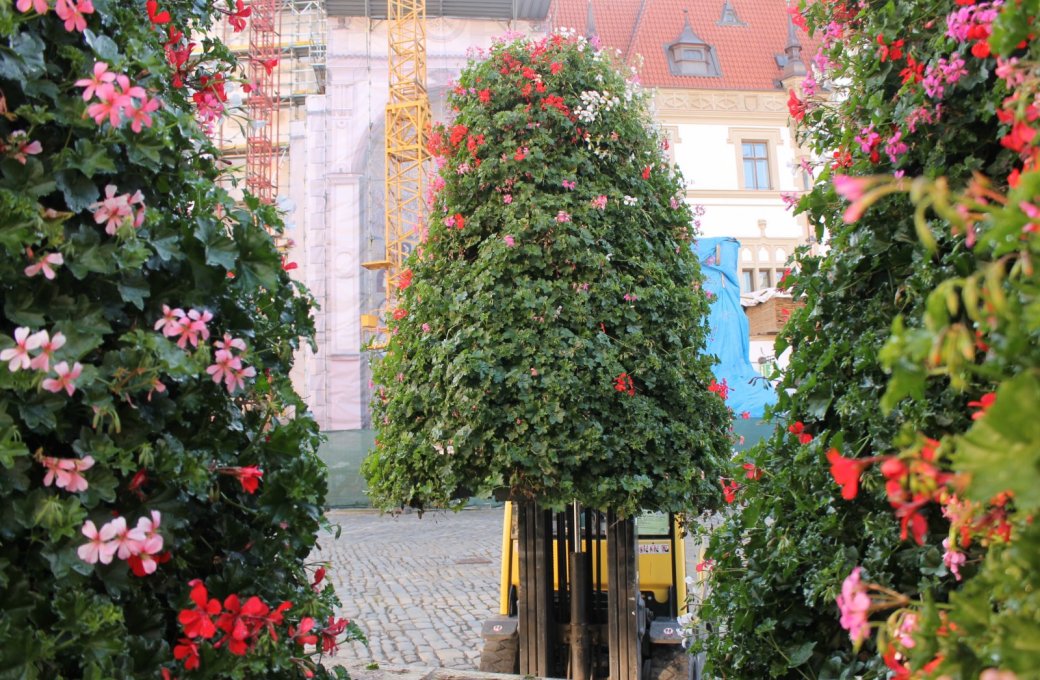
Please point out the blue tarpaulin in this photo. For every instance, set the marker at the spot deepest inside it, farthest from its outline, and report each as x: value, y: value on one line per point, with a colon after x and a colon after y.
x: 729, y: 338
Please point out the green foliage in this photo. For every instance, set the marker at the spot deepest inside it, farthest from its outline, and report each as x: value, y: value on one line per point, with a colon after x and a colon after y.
x: 163, y: 436
x: 549, y: 342
x: 782, y: 555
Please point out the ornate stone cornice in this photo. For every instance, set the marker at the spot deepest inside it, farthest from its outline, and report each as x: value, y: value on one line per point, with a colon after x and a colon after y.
x: 734, y: 104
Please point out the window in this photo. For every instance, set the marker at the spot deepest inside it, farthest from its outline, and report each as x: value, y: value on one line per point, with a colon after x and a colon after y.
x: 747, y: 280
x: 765, y: 279
x: 755, y: 155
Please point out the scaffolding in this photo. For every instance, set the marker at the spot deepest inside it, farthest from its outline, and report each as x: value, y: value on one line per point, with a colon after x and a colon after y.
x: 407, y: 116
x: 263, y: 101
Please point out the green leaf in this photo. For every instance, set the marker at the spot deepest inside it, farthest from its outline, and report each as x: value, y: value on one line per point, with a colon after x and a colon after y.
x: 80, y: 193
x: 799, y: 654
x: 220, y: 250
x: 134, y: 289
x: 1001, y: 451
x: 89, y: 158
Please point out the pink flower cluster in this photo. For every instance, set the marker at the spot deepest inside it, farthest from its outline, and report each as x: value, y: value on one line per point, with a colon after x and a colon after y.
x: 959, y: 23
x: 19, y: 358
x: 943, y: 73
x: 116, y: 210
x: 67, y: 473
x: 227, y: 367
x: 953, y: 558
x: 140, y: 545
x: 600, y: 202
x: 72, y: 13
x: 118, y: 100
x: 854, y: 605
x: 186, y: 327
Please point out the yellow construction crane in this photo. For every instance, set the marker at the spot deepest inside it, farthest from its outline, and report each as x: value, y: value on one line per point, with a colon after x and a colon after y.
x: 407, y: 118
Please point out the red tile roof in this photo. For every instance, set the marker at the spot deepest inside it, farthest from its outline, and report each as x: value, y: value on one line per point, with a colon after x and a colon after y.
x: 642, y: 28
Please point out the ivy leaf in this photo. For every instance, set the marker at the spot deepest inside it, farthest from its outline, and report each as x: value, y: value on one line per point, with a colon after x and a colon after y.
x: 80, y: 193
x: 134, y: 289
x: 220, y: 250
x: 104, y: 47
x: 799, y: 654
x: 25, y: 59
x: 90, y: 158
x: 1001, y: 451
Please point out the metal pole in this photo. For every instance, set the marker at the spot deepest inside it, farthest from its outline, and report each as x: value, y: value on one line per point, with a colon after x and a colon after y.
x: 579, y: 605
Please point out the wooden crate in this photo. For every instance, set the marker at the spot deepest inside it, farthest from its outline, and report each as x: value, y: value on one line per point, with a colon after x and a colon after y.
x: 767, y: 318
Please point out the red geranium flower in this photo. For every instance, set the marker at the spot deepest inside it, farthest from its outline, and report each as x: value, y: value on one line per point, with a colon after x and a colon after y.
x: 846, y: 472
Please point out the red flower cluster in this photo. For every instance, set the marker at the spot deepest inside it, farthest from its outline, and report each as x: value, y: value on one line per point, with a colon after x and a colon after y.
x: 798, y: 429
x: 719, y: 388
x: 242, y: 623
x: 249, y: 477
x: 405, y: 279
x: 623, y: 383
x: 729, y: 490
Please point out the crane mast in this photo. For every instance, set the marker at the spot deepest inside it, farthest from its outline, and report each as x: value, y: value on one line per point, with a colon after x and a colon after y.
x: 407, y: 118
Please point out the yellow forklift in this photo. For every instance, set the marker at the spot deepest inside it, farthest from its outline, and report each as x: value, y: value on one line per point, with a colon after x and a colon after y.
x: 586, y: 595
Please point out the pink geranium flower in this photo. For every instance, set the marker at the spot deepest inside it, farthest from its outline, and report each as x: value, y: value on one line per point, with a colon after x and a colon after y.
x: 73, y: 13
x: 854, y: 605
x: 66, y: 473
x: 170, y: 322
x: 101, y: 76
x: 45, y: 265
x: 66, y: 378
x: 100, y: 548
x: 18, y: 356
x: 38, y: 6
x: 48, y: 346
x: 126, y: 541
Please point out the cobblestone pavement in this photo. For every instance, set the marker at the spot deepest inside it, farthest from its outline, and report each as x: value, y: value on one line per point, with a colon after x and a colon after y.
x: 419, y: 588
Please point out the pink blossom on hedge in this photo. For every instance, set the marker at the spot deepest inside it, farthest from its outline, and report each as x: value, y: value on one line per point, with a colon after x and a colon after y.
x: 224, y: 365
x: 66, y: 378
x: 236, y: 378
x: 152, y: 543
x: 100, y: 547
x: 953, y: 559
x: 101, y: 76
x: 66, y: 473
x: 170, y: 322
x: 895, y: 147
x: 509, y: 241
x: 192, y: 327
x: 600, y: 202
x: 18, y: 356
x: 38, y: 6
x: 73, y: 13
x: 44, y: 265
x: 114, y: 211
x: 47, y: 346
x: 126, y: 540
x: 20, y: 148
x: 854, y: 605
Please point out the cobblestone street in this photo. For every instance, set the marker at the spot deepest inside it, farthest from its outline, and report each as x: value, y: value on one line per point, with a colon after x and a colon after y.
x: 419, y: 588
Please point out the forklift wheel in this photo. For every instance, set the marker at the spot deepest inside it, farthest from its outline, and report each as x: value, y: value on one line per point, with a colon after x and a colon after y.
x: 669, y: 662
x: 501, y: 656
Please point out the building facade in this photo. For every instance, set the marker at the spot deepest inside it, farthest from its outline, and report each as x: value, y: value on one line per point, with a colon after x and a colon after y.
x: 719, y: 70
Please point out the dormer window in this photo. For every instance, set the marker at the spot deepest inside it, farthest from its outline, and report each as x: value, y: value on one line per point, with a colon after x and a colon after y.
x: 729, y: 16
x: 689, y: 55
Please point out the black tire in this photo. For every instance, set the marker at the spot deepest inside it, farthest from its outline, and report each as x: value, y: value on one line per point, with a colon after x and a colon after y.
x: 501, y: 656
x: 669, y: 662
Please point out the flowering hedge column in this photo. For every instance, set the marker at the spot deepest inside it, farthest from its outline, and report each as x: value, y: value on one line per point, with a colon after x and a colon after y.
x: 549, y: 332
x: 152, y: 450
